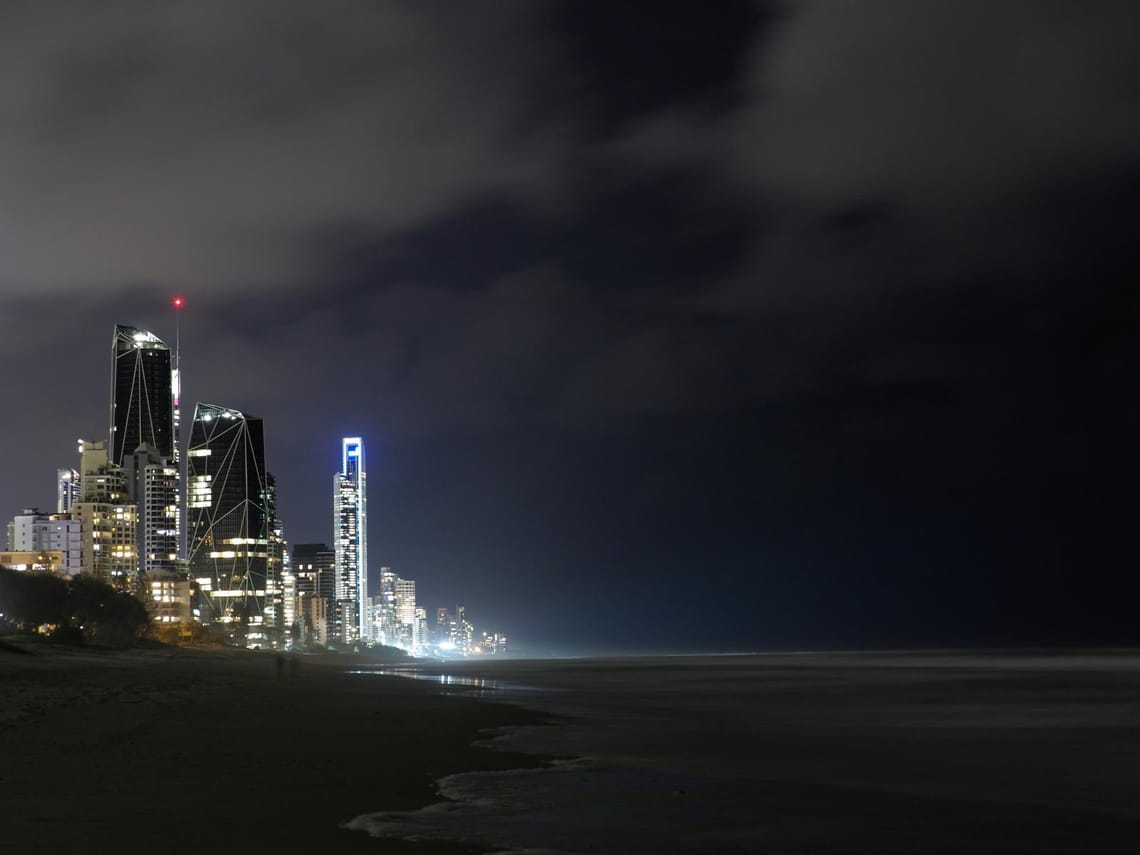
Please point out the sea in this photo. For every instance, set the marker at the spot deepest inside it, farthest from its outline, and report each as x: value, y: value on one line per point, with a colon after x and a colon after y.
x: 934, y: 752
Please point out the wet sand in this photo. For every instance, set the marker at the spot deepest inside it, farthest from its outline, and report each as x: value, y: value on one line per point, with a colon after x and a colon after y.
x: 808, y: 754
x: 192, y: 751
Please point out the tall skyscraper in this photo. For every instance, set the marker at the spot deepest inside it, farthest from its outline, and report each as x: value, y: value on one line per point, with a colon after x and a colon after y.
x: 230, y: 519
x: 142, y: 397
x: 350, y: 525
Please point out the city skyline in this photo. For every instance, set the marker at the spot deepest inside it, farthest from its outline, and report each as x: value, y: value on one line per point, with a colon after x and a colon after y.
x: 118, y: 518
x: 618, y: 297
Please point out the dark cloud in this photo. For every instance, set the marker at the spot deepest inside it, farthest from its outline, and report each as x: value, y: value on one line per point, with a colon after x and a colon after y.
x: 190, y: 144
x: 627, y: 61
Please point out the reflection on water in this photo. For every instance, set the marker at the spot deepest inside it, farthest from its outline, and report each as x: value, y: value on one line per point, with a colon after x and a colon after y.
x: 480, y: 684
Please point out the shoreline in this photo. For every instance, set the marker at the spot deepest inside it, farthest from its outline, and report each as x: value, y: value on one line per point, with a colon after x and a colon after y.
x: 181, y: 749
x: 936, y: 751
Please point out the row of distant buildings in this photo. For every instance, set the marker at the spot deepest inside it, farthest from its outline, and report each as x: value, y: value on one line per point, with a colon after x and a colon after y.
x: 219, y: 560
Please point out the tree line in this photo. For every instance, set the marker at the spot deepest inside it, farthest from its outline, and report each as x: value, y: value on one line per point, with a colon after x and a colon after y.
x: 80, y: 609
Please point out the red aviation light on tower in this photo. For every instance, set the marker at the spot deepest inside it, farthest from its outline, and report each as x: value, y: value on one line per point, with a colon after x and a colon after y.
x: 178, y: 302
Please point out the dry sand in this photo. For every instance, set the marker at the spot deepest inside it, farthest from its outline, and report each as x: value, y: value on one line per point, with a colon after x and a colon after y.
x: 194, y: 751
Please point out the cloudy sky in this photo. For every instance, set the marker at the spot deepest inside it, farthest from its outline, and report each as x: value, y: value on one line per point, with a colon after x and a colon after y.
x: 666, y: 325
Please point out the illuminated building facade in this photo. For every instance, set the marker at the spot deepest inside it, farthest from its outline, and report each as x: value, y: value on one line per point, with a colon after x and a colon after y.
x: 68, y: 490
x: 142, y: 395
x: 170, y: 600
x: 108, y: 519
x: 314, y: 574
x: 229, y: 519
x: 109, y: 548
x: 350, y: 526
x: 277, y: 562
x: 36, y: 532
x: 152, y: 483
x: 40, y: 562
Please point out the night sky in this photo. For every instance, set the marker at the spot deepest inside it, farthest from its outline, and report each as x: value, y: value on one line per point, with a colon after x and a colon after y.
x: 667, y: 326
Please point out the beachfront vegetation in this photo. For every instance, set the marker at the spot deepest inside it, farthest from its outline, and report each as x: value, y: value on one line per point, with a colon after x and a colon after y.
x: 82, y: 609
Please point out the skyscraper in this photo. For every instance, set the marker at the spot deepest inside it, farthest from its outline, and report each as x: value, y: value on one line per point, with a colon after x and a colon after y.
x: 142, y: 397
x: 230, y: 519
x: 350, y: 527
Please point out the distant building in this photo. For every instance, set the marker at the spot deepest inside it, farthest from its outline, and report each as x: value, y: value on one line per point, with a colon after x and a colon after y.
x: 420, y: 638
x: 69, y: 489
x: 494, y: 644
x: 453, y: 632
x: 24, y: 561
x: 170, y: 600
x: 228, y: 518
x: 276, y: 562
x: 405, y: 609
x: 35, y: 531
x: 314, y: 571
x: 317, y: 620
x: 350, y: 528
x: 384, y: 609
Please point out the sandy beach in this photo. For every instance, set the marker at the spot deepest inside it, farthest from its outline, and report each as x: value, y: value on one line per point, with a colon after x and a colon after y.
x: 193, y: 751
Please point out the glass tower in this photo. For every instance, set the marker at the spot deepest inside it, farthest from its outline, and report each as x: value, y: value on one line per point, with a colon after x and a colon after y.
x: 142, y: 396
x: 350, y: 525
x: 230, y: 517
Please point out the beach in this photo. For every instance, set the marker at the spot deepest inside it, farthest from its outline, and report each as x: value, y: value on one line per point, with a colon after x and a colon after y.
x: 174, y: 750
x: 820, y: 753
x: 182, y: 750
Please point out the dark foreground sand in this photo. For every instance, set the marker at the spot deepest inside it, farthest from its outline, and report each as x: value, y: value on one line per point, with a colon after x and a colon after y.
x: 195, y: 751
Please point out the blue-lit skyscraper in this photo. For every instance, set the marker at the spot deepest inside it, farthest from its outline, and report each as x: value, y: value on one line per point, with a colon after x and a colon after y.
x: 350, y: 528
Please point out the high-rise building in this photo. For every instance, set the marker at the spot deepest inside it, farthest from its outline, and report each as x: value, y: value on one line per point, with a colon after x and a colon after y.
x: 386, y: 625
x: 405, y: 609
x: 420, y: 636
x: 142, y: 397
x: 152, y: 485
x: 68, y: 490
x: 229, y: 517
x: 350, y: 526
x: 314, y: 565
x: 109, y: 550
x: 314, y: 571
x: 277, y: 562
x: 108, y: 519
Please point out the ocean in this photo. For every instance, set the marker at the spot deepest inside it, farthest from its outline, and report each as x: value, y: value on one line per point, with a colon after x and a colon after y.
x: 812, y: 753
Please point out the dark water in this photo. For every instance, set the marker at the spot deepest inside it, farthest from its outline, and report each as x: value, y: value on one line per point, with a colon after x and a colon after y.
x: 803, y: 754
